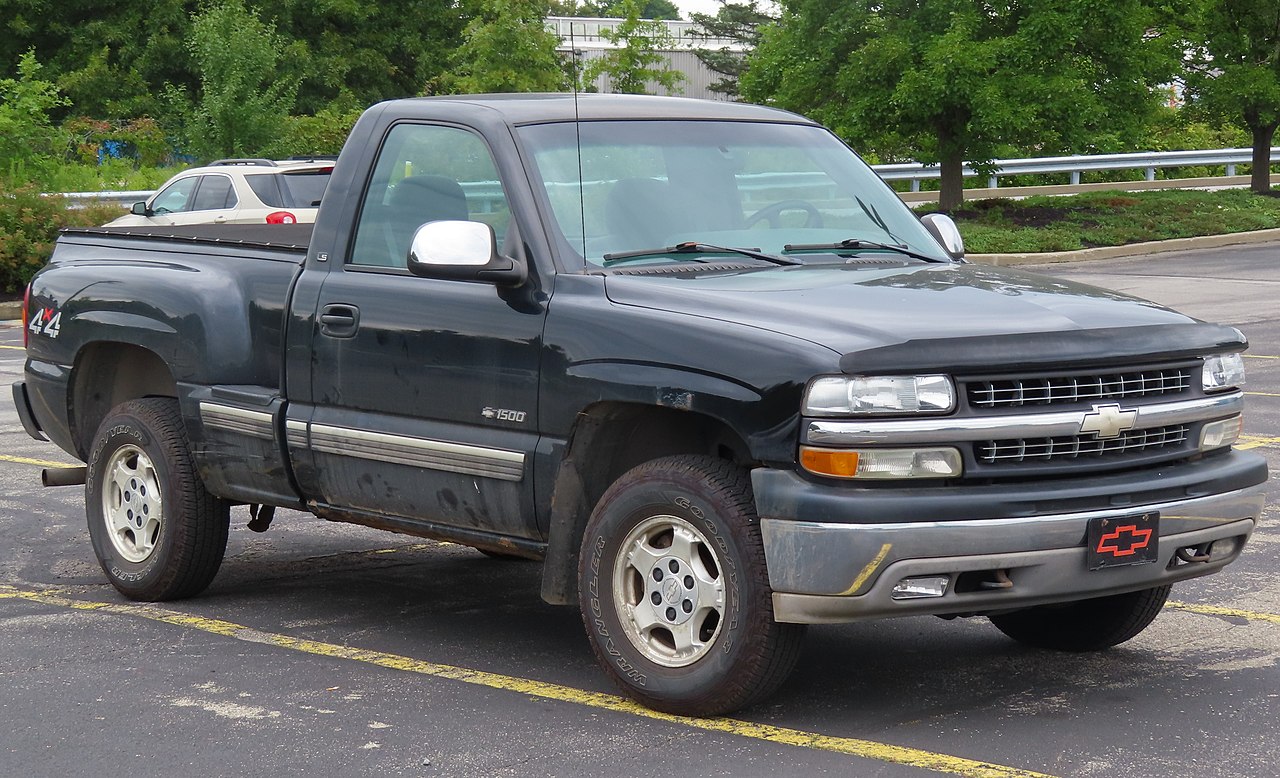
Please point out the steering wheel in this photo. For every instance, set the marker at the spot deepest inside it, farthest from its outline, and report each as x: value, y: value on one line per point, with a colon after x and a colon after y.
x: 773, y: 213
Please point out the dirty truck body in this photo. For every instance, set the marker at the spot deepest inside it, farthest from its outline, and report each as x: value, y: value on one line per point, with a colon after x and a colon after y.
x: 696, y: 358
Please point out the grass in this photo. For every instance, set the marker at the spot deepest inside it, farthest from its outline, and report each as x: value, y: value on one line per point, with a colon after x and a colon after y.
x: 1109, y: 218
x: 113, y: 175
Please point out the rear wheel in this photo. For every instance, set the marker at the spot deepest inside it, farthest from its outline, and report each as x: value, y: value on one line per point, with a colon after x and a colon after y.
x: 1086, y: 625
x: 158, y: 534
x: 674, y: 590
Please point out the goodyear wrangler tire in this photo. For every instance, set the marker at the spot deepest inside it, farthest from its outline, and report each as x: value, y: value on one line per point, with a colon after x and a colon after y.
x: 158, y: 534
x: 674, y: 591
x: 1086, y: 625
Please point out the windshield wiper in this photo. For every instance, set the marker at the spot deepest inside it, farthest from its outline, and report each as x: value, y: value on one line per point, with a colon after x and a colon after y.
x: 857, y: 244
x: 693, y: 247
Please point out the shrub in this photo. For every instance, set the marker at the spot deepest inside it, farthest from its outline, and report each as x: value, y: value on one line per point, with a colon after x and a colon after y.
x: 29, y: 224
x: 304, y: 136
x: 94, y: 141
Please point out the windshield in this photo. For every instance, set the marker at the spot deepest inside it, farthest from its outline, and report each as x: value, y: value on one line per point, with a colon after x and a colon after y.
x: 652, y: 184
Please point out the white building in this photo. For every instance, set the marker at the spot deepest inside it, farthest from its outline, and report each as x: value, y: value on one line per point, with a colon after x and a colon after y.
x: 581, y: 36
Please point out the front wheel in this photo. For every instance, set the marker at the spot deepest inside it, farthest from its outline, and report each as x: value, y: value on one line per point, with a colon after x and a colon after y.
x: 158, y: 534
x: 674, y: 590
x: 1086, y: 625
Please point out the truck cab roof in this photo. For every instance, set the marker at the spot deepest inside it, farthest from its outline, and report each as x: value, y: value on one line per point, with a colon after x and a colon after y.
x: 562, y: 107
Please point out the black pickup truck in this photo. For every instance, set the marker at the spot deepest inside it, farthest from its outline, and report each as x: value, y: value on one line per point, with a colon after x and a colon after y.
x: 695, y: 357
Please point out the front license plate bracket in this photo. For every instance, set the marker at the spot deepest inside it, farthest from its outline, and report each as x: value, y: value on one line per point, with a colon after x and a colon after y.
x: 1127, y: 540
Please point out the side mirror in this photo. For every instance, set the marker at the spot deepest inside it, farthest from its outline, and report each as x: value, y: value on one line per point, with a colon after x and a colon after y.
x: 462, y: 251
x: 944, y: 230
x: 141, y: 209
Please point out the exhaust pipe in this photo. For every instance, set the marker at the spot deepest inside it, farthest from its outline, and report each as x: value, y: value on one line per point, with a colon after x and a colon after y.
x: 63, y: 476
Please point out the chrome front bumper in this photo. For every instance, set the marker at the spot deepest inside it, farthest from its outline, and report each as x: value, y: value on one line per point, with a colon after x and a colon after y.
x: 825, y: 572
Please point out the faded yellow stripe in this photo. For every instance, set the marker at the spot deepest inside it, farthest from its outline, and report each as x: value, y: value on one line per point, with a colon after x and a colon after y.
x: 1258, y: 356
x: 866, y: 749
x: 1263, y: 394
x: 869, y: 570
x: 36, y: 462
x: 1214, y: 610
x: 1255, y: 441
x: 15, y: 348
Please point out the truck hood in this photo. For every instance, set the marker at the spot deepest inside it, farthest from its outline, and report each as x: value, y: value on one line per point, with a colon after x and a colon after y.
x: 948, y: 315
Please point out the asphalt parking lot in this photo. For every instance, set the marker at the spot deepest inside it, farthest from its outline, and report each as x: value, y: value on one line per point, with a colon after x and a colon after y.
x: 326, y: 649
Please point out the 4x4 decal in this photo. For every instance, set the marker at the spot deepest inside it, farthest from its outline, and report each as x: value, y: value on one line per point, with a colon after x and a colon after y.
x: 46, y: 321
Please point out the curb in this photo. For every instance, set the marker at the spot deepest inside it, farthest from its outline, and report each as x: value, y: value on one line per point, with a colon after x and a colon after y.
x: 1129, y: 251
x: 11, y: 310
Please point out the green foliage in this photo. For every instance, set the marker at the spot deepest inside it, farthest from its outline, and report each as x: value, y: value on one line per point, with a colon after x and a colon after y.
x: 244, y: 93
x: 950, y: 80
x: 1174, y: 129
x: 27, y: 137
x: 740, y: 22
x: 351, y: 53
x: 322, y: 134
x: 112, y: 174
x: 506, y: 47
x: 110, y: 59
x: 143, y: 140
x: 29, y: 223
x: 1109, y: 218
x: 636, y: 63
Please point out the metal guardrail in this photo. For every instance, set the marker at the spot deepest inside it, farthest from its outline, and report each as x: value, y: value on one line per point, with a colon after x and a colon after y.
x: 124, y: 199
x: 1149, y: 161
x: 915, y: 172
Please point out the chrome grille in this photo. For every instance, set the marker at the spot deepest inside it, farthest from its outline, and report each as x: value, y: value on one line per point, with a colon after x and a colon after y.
x: 1053, y: 390
x: 995, y: 452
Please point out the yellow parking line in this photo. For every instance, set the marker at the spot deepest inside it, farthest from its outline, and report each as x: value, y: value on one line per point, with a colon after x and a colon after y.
x: 15, y: 348
x: 866, y: 749
x: 1214, y: 610
x: 36, y: 462
x: 1255, y: 441
x: 1259, y: 356
x: 1263, y: 394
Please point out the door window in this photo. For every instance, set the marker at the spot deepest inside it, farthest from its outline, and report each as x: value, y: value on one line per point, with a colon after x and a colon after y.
x: 426, y: 173
x: 215, y: 193
x: 174, y: 197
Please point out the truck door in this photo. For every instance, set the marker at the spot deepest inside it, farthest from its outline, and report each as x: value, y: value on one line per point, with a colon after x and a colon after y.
x: 424, y: 391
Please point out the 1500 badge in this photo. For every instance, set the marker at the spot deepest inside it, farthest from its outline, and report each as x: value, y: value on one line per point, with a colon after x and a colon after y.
x: 46, y: 321
x: 504, y: 414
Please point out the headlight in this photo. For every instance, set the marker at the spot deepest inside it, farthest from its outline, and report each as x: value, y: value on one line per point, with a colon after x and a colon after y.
x: 1222, y: 371
x: 845, y: 395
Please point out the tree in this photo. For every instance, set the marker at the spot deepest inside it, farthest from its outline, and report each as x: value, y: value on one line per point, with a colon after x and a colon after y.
x: 1235, y: 72
x: 507, y: 47
x: 113, y: 59
x: 110, y: 59
x: 350, y: 54
x: 951, y: 80
x: 739, y: 22
x: 244, y: 97
x: 26, y: 134
x: 636, y: 62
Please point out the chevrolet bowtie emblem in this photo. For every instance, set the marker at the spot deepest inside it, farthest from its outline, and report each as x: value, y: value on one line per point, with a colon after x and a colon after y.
x: 1108, y: 421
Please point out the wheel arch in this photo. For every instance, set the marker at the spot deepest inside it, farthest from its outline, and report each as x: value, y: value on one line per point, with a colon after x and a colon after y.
x: 107, y: 373
x: 607, y: 440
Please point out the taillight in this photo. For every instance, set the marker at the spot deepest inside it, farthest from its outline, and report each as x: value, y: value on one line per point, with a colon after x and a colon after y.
x: 281, y: 217
x: 26, y: 318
